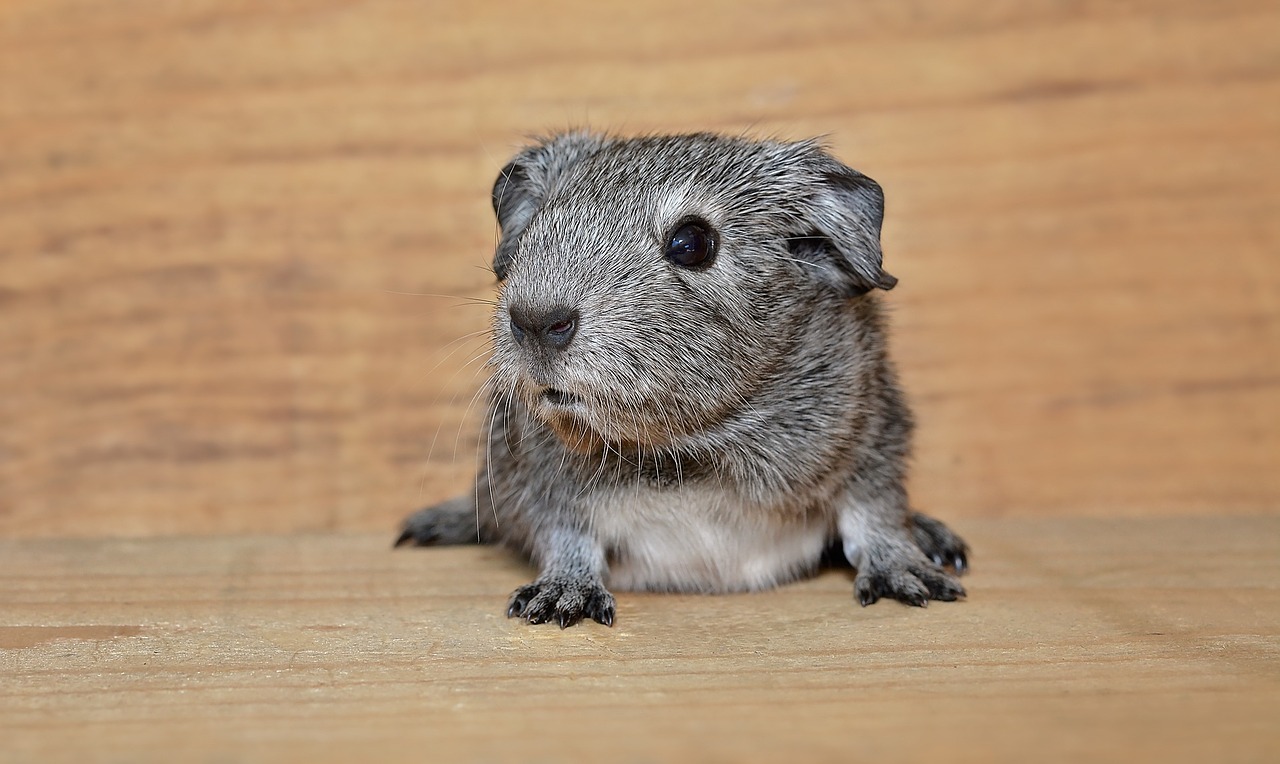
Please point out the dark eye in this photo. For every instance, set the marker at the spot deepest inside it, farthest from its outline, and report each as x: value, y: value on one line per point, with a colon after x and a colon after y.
x: 692, y: 245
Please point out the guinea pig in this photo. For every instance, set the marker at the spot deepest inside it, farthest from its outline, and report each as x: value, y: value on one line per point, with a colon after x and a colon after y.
x: 690, y: 386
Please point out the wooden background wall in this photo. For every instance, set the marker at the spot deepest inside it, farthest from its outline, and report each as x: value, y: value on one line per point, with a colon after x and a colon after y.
x: 222, y: 225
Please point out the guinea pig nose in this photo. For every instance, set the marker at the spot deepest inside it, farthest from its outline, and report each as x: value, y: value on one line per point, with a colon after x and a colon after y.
x: 553, y: 328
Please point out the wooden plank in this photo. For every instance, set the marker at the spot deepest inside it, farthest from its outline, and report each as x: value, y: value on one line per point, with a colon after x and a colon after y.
x: 223, y: 226
x: 1082, y: 639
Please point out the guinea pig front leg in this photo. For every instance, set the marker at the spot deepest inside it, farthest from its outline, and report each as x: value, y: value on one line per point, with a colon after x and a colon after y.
x: 878, y: 540
x: 570, y: 586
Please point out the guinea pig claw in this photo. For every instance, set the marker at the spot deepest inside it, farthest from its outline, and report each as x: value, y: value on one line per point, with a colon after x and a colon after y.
x: 519, y: 601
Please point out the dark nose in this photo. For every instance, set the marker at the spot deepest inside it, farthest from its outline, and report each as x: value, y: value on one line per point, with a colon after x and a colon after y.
x: 553, y: 328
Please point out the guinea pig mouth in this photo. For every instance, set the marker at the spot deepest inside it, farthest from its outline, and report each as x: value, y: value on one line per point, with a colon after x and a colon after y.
x: 558, y: 398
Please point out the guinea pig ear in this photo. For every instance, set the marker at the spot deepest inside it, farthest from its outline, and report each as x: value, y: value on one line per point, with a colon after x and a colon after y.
x: 845, y: 212
x: 515, y: 199
x: 524, y: 184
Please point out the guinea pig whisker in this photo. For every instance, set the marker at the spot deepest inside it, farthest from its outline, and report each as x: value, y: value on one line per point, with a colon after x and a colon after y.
x: 457, y: 345
x: 462, y: 299
x: 466, y: 414
x: 671, y: 447
x: 487, y: 446
x: 435, y: 437
x: 476, y: 370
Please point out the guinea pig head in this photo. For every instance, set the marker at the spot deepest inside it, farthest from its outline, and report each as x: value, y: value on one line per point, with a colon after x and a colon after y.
x: 651, y: 287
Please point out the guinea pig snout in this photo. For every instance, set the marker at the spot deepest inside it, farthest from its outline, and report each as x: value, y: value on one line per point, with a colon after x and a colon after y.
x: 551, y: 328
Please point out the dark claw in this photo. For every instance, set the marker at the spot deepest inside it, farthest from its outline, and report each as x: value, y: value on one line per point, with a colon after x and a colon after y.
x: 915, y: 599
x: 943, y: 589
x: 421, y: 537
x: 519, y: 601
x: 601, y: 610
x: 871, y: 589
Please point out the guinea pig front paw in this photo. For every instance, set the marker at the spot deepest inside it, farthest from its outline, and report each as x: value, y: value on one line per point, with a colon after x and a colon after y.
x: 910, y: 579
x: 563, y: 600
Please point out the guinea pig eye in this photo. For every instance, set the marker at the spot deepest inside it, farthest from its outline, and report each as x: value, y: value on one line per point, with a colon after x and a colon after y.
x: 692, y: 245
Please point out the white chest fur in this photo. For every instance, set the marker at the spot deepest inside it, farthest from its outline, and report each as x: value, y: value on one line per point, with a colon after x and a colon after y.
x: 699, y: 540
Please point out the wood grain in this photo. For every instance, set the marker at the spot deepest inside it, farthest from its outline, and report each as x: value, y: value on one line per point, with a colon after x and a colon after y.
x: 1082, y: 640
x: 224, y: 227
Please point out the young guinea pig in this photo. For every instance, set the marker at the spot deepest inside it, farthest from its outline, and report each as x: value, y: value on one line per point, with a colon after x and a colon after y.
x: 690, y: 385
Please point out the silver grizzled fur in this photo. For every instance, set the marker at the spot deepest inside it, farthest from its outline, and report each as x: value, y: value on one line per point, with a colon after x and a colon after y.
x: 716, y: 428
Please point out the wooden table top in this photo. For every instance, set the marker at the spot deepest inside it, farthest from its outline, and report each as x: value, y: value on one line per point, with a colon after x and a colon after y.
x: 1082, y: 639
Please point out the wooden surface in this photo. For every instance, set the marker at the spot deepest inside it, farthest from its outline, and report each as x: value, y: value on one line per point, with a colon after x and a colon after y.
x: 1083, y: 640
x: 223, y: 227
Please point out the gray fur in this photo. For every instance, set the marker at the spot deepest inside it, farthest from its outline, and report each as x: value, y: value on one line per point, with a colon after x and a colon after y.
x: 704, y: 429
